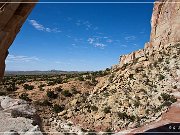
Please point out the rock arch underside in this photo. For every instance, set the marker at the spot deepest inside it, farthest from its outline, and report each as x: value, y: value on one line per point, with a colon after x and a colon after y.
x: 164, y: 39
x: 12, y: 17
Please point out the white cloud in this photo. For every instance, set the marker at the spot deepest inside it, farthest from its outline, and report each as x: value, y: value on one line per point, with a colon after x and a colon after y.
x: 40, y: 27
x: 91, y: 40
x: 96, y: 42
x: 13, y: 58
x: 100, y: 45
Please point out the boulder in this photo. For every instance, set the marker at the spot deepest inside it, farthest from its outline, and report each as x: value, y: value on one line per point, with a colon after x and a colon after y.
x: 15, y: 117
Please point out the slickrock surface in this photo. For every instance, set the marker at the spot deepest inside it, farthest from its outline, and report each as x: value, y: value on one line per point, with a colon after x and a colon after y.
x: 17, y: 116
x: 12, y: 17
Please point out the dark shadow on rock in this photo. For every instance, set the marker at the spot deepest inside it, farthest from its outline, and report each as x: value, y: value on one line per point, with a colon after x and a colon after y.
x: 38, y: 121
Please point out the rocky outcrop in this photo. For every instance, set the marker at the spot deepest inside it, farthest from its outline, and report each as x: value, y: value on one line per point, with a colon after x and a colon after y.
x: 165, y: 23
x: 139, y: 89
x: 165, y: 29
x: 12, y: 17
x: 18, y: 117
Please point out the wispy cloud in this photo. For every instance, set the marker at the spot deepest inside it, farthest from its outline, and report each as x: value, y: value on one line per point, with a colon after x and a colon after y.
x: 13, y: 58
x: 41, y: 27
x: 96, y: 42
x: 90, y: 40
x: 99, y: 45
x: 86, y: 24
x: 129, y: 38
x: 123, y: 45
x: 109, y: 40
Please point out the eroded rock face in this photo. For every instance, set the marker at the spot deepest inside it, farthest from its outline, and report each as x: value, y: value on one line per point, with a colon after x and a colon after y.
x: 165, y: 29
x: 12, y: 17
x: 13, y: 117
x: 165, y: 23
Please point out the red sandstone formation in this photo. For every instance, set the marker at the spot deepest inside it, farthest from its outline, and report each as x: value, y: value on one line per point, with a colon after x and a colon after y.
x: 12, y: 17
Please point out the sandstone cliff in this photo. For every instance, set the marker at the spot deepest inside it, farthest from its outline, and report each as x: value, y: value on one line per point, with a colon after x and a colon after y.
x: 136, y: 91
x: 165, y: 29
x: 12, y: 17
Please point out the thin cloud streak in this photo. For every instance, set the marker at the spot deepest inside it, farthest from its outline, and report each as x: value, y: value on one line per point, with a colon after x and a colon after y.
x: 40, y: 27
x: 13, y: 58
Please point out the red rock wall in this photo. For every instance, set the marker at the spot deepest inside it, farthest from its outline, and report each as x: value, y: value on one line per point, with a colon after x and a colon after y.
x: 12, y: 17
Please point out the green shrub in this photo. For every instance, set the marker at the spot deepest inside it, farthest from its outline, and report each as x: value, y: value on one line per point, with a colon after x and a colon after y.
x: 94, y: 108
x: 46, y: 103
x: 110, y: 79
x: 12, y: 87
x: 80, y: 78
x: 74, y: 90
x: 122, y: 115
x: 58, y: 108
x: 24, y: 96
x: 131, y: 76
x: 41, y: 85
x: 155, y: 64
x: 167, y: 103
x: 28, y: 87
x: 107, y: 109
x: 136, y: 103
x: 160, y: 59
x: 161, y: 77
x: 66, y: 93
x: 167, y: 97
x: 59, y: 89
x: 51, y: 94
x: 94, y: 81
x: 174, y: 87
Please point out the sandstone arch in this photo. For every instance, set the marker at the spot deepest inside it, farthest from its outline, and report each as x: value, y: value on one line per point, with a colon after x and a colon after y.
x: 12, y: 17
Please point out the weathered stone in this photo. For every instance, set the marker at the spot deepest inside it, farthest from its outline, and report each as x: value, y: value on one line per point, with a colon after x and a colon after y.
x: 62, y: 113
x: 20, y: 123
x: 12, y: 17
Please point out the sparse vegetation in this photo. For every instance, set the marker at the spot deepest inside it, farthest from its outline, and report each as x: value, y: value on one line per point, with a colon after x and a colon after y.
x: 28, y: 87
x: 107, y: 109
x: 51, y: 94
x: 58, y: 108
x: 161, y: 77
x: 66, y: 93
x: 24, y: 96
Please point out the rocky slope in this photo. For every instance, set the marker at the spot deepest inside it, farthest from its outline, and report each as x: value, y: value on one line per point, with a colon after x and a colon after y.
x: 18, y: 117
x: 12, y: 17
x: 142, y: 86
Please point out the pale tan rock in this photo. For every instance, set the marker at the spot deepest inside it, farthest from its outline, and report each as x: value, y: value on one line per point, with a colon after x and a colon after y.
x: 62, y: 113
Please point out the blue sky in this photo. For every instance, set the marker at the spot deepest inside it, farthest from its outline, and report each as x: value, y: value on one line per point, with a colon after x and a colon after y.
x: 79, y: 37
